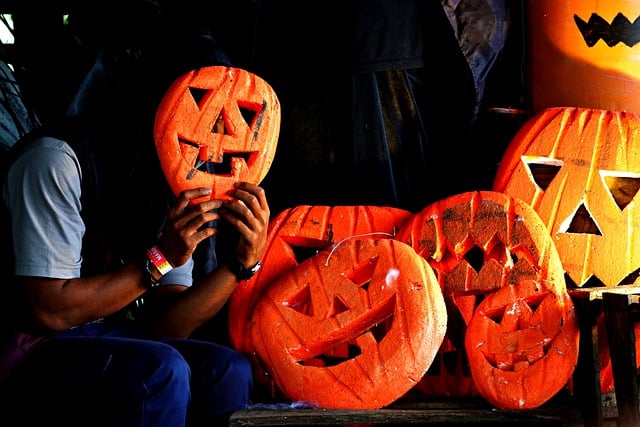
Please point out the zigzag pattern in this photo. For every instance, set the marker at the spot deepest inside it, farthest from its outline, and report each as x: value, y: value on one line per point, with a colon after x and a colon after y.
x: 620, y: 30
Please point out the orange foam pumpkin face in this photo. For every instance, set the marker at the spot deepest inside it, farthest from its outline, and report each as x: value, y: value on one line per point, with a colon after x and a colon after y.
x: 477, y: 243
x: 353, y: 327
x: 480, y: 241
x: 522, y: 343
x: 294, y: 235
x: 579, y: 169
x: 584, y: 53
x: 216, y: 126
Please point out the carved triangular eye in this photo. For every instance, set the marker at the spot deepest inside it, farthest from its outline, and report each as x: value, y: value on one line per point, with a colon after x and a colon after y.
x: 252, y: 113
x: 197, y: 94
x: 581, y: 222
x: 301, y: 302
x: 302, y: 253
x: 622, y: 187
x: 542, y: 170
x: 363, y: 272
x: 338, y: 306
x: 247, y: 114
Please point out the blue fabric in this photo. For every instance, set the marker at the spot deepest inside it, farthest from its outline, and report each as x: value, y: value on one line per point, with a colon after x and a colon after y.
x: 16, y: 120
x: 481, y: 30
x: 108, y: 376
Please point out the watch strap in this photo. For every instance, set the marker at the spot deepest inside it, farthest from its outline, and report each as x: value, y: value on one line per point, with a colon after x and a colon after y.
x: 150, y: 280
x: 240, y: 271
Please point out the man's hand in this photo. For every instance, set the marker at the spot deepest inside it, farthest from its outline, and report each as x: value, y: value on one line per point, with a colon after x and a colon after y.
x: 185, y: 225
x: 249, y: 215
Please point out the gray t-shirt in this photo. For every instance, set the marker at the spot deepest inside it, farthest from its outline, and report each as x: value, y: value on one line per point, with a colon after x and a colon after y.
x: 43, y: 194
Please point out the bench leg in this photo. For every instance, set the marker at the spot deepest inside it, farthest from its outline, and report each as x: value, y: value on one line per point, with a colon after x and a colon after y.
x: 586, y: 377
x: 619, y: 318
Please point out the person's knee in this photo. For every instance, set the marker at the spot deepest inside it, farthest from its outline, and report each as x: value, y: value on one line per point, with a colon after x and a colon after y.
x: 238, y: 368
x: 232, y: 375
x: 242, y: 369
x: 173, y: 361
x: 170, y: 371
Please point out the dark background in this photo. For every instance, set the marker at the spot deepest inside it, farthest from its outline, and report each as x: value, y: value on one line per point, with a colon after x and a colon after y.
x: 339, y: 70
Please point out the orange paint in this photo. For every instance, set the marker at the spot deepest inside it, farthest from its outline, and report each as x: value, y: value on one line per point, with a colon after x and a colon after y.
x: 579, y: 169
x: 478, y: 243
x: 294, y: 235
x: 221, y: 115
x: 376, y: 298
x: 522, y: 344
x: 583, y: 53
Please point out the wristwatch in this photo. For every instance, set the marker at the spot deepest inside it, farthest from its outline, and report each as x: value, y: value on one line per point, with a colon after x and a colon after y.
x: 240, y: 271
x: 149, y: 279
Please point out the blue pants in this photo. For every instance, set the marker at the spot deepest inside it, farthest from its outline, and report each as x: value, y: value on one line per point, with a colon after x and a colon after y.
x: 100, y: 376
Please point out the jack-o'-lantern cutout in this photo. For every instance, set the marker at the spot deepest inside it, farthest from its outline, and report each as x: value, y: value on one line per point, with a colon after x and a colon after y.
x: 294, y: 235
x: 579, y: 169
x: 449, y: 375
x: 216, y: 126
x: 522, y: 344
x: 583, y: 53
x: 477, y: 243
x: 352, y: 327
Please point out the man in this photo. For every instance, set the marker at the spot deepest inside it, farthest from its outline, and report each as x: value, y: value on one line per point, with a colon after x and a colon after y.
x: 106, y: 270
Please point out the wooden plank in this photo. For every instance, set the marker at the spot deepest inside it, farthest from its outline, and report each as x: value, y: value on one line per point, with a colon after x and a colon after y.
x: 596, y: 293
x: 412, y: 410
x: 310, y: 417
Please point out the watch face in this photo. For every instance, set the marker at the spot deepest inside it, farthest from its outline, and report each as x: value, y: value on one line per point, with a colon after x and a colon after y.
x: 256, y: 267
x: 247, y: 273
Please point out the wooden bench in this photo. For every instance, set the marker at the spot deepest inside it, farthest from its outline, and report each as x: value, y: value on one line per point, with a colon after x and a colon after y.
x: 411, y: 412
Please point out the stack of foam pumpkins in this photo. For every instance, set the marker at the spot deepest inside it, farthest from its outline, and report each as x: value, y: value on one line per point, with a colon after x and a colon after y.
x: 357, y: 305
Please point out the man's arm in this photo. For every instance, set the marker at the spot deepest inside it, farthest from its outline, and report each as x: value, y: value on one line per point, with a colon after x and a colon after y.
x: 249, y: 215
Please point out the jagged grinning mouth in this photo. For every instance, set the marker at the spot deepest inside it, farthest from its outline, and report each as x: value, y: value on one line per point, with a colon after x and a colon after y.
x: 620, y: 30
x: 206, y: 164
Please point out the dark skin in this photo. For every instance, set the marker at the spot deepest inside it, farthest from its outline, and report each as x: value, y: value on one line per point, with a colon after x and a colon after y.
x: 60, y: 304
